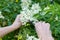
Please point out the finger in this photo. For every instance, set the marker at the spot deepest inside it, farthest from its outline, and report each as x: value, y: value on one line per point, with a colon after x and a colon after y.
x: 18, y: 18
x: 43, y: 22
x: 48, y: 25
x: 36, y: 23
x: 39, y: 23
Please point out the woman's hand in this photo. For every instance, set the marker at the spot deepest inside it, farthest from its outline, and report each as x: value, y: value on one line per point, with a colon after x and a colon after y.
x: 17, y: 22
x: 5, y: 30
x: 43, y: 30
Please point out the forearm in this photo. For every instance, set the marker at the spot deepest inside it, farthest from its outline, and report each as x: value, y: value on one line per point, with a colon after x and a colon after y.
x: 47, y: 37
x: 44, y: 35
x: 8, y: 29
x: 16, y: 24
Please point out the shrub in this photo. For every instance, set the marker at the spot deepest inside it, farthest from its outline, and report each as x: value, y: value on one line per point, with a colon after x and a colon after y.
x: 50, y: 13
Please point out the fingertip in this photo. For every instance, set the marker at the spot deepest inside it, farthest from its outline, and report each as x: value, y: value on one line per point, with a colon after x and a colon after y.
x: 47, y: 23
x: 43, y: 22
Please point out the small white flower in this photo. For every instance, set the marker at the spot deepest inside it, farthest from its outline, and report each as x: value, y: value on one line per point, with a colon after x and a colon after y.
x: 43, y: 13
x: 25, y: 6
x: 56, y: 18
x: 23, y: 1
x: 0, y: 12
x: 31, y: 37
x: 1, y: 16
x: 36, y: 8
x: 46, y: 8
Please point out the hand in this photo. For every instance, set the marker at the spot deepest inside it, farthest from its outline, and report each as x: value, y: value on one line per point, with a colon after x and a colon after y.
x: 17, y: 22
x: 42, y: 27
x: 5, y: 30
x: 43, y: 30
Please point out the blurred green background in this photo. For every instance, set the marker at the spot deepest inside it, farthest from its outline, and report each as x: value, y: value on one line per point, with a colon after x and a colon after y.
x: 11, y: 8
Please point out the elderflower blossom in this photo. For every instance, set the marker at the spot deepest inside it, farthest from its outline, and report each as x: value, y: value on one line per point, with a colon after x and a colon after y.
x: 31, y: 37
x: 29, y: 1
x: 46, y: 8
x: 36, y: 8
x: 56, y: 18
x: 43, y: 13
x: 26, y: 13
x: 1, y: 16
x: 25, y: 4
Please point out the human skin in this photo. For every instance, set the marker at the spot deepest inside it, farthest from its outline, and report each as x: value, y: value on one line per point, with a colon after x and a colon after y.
x: 43, y: 31
x: 16, y: 24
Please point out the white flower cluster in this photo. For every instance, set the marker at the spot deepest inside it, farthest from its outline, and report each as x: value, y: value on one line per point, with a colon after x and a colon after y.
x: 1, y: 16
x: 43, y: 13
x: 26, y: 13
x: 25, y: 4
x: 31, y: 37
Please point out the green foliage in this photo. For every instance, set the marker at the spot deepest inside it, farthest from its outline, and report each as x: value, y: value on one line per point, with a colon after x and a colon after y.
x: 11, y: 8
x: 58, y: 1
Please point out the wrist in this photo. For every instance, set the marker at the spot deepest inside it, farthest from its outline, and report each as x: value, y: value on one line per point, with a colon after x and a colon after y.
x: 47, y: 37
x: 15, y: 25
